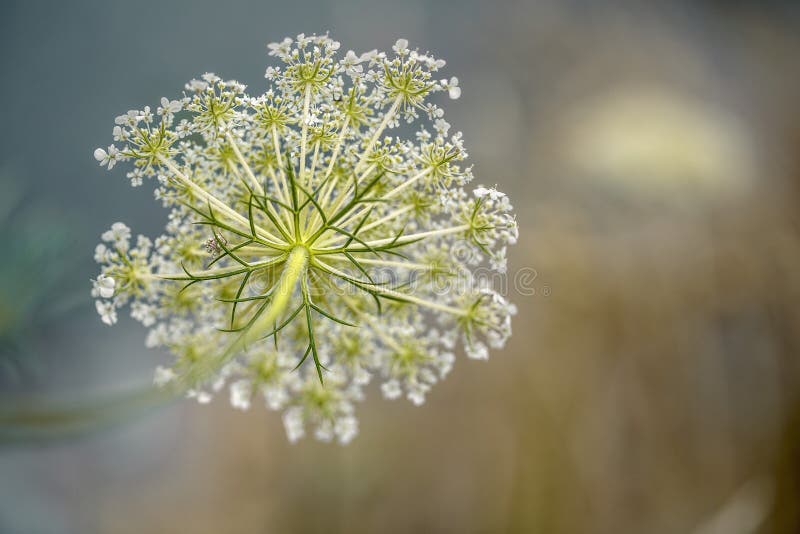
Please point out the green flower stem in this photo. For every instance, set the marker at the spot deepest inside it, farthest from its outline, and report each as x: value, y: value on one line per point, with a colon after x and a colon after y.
x: 248, y: 171
x: 385, y: 122
x: 338, y: 202
x: 284, y: 187
x: 294, y: 269
x: 306, y: 103
x: 408, y: 182
x: 397, y: 295
x: 420, y: 235
x: 214, y: 201
x: 335, y: 155
x: 410, y: 238
x: 386, y: 263
x: 328, y: 187
x: 387, y: 218
x: 336, y: 238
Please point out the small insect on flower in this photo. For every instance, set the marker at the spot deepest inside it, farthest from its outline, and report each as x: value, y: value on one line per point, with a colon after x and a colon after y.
x: 309, y: 249
x: 214, y: 245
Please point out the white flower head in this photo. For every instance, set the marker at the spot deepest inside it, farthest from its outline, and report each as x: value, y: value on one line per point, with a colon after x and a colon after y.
x: 401, y: 46
x: 103, y: 287
x: 107, y: 158
x: 102, y: 253
x: 163, y: 376
x: 106, y: 311
x: 293, y: 423
x: 391, y: 389
x: 351, y: 63
x: 241, y: 394
x: 346, y: 429
x: 325, y: 235
x: 119, y: 235
x: 453, y: 89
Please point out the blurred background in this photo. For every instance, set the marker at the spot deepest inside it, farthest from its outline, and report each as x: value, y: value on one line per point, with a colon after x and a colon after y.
x: 651, y: 386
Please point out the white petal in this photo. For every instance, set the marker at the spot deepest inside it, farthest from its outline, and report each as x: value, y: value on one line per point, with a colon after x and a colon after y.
x: 241, y: 393
x: 163, y: 376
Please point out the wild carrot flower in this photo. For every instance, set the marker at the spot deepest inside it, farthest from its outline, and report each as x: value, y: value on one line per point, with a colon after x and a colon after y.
x: 308, y: 247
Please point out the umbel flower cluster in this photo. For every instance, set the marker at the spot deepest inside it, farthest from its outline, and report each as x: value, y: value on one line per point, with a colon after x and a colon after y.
x: 308, y: 249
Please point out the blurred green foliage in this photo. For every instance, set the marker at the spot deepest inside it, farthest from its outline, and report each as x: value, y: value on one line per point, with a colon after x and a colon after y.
x: 36, y: 244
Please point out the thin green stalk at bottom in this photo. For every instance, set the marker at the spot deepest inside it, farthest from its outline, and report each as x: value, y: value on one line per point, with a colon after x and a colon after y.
x: 293, y: 270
